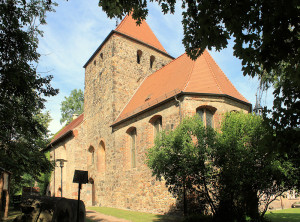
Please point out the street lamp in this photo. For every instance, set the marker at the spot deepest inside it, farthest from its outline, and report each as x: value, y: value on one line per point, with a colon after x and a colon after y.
x: 61, y: 164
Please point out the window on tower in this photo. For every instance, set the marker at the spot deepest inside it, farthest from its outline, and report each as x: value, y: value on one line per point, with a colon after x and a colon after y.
x: 152, y: 59
x: 139, y: 56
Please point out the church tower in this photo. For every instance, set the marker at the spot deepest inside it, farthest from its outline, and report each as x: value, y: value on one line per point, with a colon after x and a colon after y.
x: 112, y: 74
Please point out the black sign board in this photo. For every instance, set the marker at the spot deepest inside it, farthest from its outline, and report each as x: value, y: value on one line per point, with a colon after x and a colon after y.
x: 80, y: 176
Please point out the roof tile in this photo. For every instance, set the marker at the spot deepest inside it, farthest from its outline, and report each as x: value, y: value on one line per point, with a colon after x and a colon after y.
x: 181, y: 75
x: 140, y: 32
x: 72, y: 125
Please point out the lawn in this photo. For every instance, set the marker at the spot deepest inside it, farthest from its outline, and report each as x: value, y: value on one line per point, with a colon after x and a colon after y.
x: 133, y: 215
x: 286, y: 215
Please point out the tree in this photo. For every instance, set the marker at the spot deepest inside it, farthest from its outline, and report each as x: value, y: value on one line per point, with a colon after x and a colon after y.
x: 72, y: 105
x: 233, y: 172
x: 266, y: 38
x: 183, y: 159
x: 23, y: 131
x: 250, y: 173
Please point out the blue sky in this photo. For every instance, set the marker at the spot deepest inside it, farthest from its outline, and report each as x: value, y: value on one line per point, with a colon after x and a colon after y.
x: 78, y: 27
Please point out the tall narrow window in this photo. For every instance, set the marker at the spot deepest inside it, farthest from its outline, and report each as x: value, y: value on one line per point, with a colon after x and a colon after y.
x: 157, y: 126
x: 209, y: 118
x: 206, y: 115
x: 152, y: 59
x: 133, y: 147
x: 92, y: 151
x: 139, y: 56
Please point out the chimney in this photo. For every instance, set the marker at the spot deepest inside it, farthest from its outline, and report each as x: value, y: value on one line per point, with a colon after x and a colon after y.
x: 75, y: 116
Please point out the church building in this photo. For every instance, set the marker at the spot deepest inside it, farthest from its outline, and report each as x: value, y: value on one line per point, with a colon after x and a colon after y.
x: 133, y: 90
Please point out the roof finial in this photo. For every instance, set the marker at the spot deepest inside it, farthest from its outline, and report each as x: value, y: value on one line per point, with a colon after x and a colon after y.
x: 257, y: 108
x: 117, y: 22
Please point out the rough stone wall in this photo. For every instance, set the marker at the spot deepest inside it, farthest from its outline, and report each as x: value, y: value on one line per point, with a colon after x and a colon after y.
x: 111, y: 79
x: 135, y: 188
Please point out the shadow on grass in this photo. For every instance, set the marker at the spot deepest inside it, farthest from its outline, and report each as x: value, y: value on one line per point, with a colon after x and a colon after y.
x: 167, y: 218
x: 284, y: 217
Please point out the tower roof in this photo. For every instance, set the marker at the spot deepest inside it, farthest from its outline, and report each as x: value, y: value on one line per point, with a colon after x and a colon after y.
x: 140, y: 32
x: 182, y: 75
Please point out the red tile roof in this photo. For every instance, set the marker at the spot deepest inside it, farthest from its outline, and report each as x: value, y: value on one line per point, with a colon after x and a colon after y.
x: 140, y: 32
x: 72, y: 125
x: 181, y: 75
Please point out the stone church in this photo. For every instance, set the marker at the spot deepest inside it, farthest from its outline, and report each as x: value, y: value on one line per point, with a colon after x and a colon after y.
x: 134, y: 89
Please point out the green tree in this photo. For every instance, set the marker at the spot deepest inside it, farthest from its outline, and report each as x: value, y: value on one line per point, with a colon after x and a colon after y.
x: 72, y: 105
x: 250, y: 173
x: 22, y: 89
x: 183, y: 159
x: 233, y: 172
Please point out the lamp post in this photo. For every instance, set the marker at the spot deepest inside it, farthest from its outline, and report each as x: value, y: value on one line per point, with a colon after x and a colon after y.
x: 61, y: 164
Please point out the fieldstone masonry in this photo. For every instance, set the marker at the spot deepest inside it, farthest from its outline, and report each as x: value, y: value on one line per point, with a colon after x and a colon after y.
x: 111, y: 78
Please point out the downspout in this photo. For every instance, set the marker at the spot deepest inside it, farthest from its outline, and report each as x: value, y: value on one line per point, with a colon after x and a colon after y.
x: 179, y: 105
x: 53, y: 172
x: 184, y: 184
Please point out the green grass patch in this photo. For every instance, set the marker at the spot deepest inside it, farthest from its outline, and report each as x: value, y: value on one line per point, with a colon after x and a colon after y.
x: 133, y: 215
x: 286, y: 215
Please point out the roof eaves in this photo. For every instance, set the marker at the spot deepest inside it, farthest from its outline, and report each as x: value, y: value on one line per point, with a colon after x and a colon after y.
x: 98, y: 49
x: 223, y: 95
x: 59, y: 139
x: 146, y: 109
x: 139, y: 41
x: 127, y: 36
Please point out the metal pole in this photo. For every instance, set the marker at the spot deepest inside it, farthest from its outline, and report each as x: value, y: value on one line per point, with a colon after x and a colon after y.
x: 61, y: 181
x: 79, y: 187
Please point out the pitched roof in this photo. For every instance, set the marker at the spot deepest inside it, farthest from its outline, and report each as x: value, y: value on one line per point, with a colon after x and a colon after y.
x: 67, y: 129
x: 140, y: 32
x: 181, y: 75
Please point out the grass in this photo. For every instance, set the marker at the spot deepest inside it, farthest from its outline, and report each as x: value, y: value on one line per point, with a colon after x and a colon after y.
x: 286, y: 215
x: 133, y: 215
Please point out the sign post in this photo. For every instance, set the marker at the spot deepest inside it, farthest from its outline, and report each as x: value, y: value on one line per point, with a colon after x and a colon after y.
x: 80, y: 177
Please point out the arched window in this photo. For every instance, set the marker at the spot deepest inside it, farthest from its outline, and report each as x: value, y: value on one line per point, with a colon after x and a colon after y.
x: 139, y: 56
x: 157, y: 125
x: 92, y: 151
x: 101, y: 158
x: 94, y: 62
x: 101, y: 56
x: 91, y: 181
x: 206, y: 114
x: 152, y: 59
x: 132, y: 134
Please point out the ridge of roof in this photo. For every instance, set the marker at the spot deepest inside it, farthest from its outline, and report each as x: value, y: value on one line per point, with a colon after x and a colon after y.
x: 226, y: 77
x: 141, y: 32
x: 189, y: 78
x: 210, y: 68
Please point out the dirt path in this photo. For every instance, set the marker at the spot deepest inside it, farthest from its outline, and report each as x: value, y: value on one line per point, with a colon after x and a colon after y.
x: 95, y: 216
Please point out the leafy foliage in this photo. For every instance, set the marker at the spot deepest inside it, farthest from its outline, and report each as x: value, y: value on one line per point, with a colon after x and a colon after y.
x: 23, y: 128
x: 183, y: 158
x: 72, y: 105
x: 250, y: 172
x: 233, y: 171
